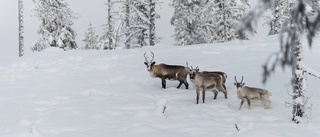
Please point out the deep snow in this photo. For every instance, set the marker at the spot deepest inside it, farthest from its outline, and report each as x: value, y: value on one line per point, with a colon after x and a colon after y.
x: 93, y: 93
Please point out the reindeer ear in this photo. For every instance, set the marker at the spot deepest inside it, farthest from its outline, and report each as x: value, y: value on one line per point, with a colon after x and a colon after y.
x: 235, y: 83
x: 153, y: 63
x: 146, y: 63
x: 242, y: 84
x: 197, y: 69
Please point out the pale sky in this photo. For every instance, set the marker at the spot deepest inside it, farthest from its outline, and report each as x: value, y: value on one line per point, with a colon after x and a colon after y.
x: 93, y: 11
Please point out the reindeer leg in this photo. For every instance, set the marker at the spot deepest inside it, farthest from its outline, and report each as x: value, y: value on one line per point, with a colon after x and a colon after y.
x: 180, y: 84
x: 249, y: 103
x: 184, y: 81
x: 224, y: 86
x: 186, y: 84
x: 215, y: 92
x: 242, y: 101
x: 198, y: 92
x: 163, y: 83
x: 203, y: 95
x: 225, y: 94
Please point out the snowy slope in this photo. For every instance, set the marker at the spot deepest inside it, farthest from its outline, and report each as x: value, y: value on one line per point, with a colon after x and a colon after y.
x: 110, y: 93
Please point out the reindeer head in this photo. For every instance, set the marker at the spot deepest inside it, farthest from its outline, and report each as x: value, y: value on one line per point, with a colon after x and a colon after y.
x: 150, y: 64
x: 238, y: 84
x: 191, y: 71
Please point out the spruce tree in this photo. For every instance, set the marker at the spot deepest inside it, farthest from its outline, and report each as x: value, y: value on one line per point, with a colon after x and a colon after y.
x: 90, y: 38
x: 56, y: 20
x: 227, y: 14
x: 187, y: 20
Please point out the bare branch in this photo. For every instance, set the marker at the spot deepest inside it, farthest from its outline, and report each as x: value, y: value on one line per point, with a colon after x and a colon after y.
x: 287, y: 104
x: 164, y: 109
x: 236, y: 127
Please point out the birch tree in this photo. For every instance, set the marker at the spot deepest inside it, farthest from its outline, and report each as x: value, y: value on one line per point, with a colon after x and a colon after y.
x: 108, y: 40
x: 127, y: 24
x: 152, y: 27
x: 291, y: 49
x: 21, y: 28
x: 280, y: 11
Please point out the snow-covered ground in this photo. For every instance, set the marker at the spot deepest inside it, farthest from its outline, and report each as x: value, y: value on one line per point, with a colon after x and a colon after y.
x: 110, y: 93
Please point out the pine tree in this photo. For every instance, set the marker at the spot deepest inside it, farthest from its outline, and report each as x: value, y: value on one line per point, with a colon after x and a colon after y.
x: 56, y: 20
x: 91, y: 39
x: 189, y: 28
x: 291, y: 53
x: 227, y: 14
x: 21, y: 28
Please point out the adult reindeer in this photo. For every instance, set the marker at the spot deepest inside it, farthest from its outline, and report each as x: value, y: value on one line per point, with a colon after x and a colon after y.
x: 206, y: 81
x: 164, y: 71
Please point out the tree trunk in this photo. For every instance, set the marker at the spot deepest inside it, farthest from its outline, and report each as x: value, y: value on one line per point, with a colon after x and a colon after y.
x: 21, y: 29
x: 110, y: 31
x: 152, y: 26
x: 298, y: 80
x: 127, y: 21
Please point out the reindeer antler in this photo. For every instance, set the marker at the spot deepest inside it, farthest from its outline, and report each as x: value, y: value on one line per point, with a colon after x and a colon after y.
x: 152, y: 56
x: 235, y: 78
x: 145, y: 57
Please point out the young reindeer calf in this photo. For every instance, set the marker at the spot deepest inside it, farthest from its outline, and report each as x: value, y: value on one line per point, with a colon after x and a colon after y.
x: 206, y: 81
x: 164, y: 71
x: 249, y: 94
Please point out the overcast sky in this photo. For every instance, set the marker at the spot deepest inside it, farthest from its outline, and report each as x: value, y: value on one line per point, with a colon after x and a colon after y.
x: 93, y: 11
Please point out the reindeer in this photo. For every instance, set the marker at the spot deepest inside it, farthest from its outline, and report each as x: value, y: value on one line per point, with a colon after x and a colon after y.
x: 224, y: 76
x: 164, y: 71
x: 206, y: 81
x: 252, y: 94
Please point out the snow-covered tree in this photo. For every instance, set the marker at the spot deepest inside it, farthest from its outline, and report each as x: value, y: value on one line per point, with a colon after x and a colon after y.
x: 56, y: 20
x: 291, y: 53
x: 90, y: 38
x: 21, y: 28
x: 108, y: 40
x: 152, y: 27
x: 128, y: 26
x: 280, y: 12
x: 139, y: 23
x: 227, y: 14
x: 188, y: 23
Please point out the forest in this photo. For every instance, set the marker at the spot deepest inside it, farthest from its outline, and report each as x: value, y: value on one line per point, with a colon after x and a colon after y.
x: 61, y: 77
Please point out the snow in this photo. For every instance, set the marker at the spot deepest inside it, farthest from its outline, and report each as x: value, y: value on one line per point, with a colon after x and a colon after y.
x: 93, y: 93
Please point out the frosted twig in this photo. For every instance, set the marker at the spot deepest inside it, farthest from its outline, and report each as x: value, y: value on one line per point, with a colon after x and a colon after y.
x: 287, y: 104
